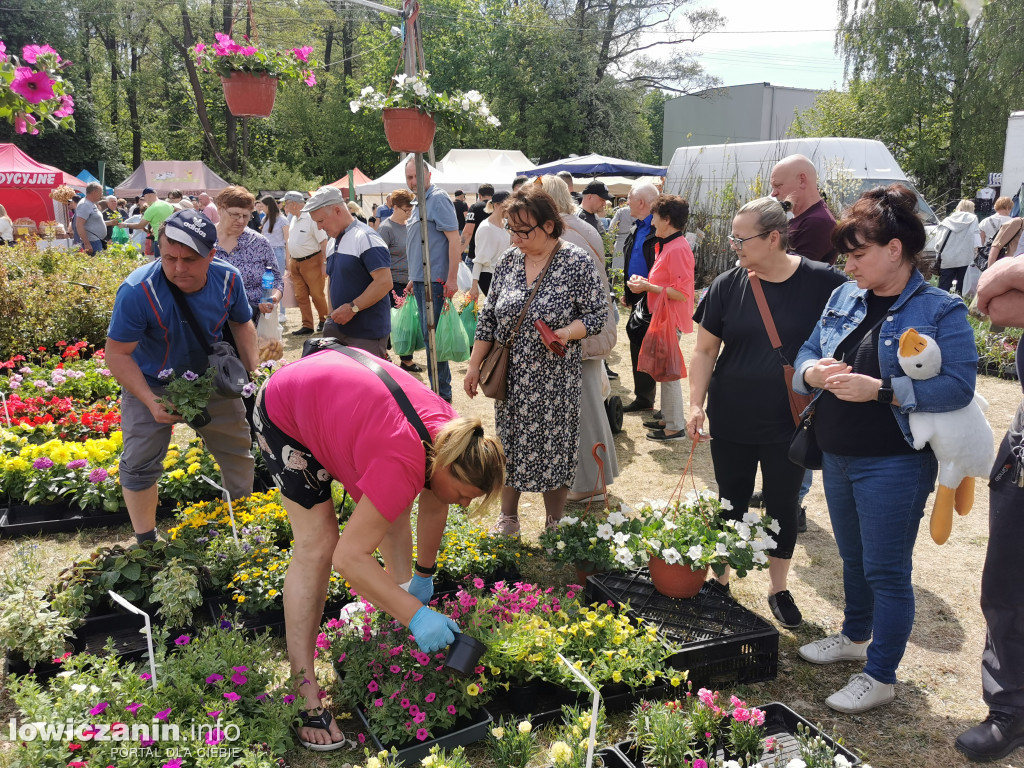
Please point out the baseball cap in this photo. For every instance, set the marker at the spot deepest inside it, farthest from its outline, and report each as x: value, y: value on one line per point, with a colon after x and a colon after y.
x: 193, y: 230
x: 293, y: 197
x: 597, y: 188
x: 323, y: 197
x: 459, y: 193
x: 500, y: 197
x: 149, y: 191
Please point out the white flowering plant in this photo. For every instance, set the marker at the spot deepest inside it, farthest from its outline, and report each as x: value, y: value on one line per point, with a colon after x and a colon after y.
x: 602, y: 541
x: 693, y: 532
x: 414, y: 92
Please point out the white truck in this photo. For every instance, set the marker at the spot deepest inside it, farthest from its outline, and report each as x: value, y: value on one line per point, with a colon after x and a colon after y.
x: 1013, y: 155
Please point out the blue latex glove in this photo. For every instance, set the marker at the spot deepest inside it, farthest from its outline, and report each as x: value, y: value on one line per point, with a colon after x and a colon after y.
x: 432, y: 630
x: 422, y: 587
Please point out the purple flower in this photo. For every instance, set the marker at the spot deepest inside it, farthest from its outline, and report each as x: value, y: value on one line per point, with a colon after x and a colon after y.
x: 146, y: 742
x: 216, y: 737
x: 133, y: 708
x: 249, y: 390
x: 176, y: 761
x: 232, y: 696
x: 162, y: 714
x: 288, y: 698
x: 182, y: 640
x: 213, y: 679
x: 166, y: 373
x: 238, y: 678
x: 98, y: 475
x: 98, y: 708
x: 215, y: 713
x: 189, y: 376
x: 39, y: 384
x: 42, y: 463
x: 239, y: 669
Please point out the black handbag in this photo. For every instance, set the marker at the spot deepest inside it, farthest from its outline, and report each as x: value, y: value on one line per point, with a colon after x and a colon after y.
x: 803, y: 448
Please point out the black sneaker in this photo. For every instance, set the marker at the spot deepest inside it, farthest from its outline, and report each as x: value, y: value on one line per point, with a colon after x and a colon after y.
x: 756, y: 500
x: 801, y: 521
x: 320, y: 326
x: 303, y: 332
x: 784, y: 609
x: 998, y: 736
x: 715, y: 587
x: 659, y: 415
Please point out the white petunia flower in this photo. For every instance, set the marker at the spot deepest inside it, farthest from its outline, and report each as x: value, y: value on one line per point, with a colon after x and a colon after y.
x: 621, y: 539
x: 624, y: 556
x: 774, y: 526
x: 78, y: 687
x: 366, y: 91
x: 671, y: 555
x: 760, y: 558
x: 473, y: 96
x: 604, y: 531
x: 670, y: 525
x: 354, y: 106
x: 841, y: 761
x: 751, y: 518
x: 695, y: 552
x: 721, y: 549
x: 617, y: 518
x: 400, y: 79
x: 560, y: 546
x: 743, y: 530
x: 726, y: 504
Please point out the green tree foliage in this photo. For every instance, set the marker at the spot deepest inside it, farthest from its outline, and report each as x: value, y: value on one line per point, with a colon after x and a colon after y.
x: 935, y: 87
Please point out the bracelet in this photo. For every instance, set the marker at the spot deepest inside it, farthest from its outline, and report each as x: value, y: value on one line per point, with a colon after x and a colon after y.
x: 426, y: 571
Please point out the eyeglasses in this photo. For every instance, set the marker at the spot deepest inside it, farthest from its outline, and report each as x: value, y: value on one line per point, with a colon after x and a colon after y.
x: 238, y: 216
x: 522, y: 234
x: 737, y: 242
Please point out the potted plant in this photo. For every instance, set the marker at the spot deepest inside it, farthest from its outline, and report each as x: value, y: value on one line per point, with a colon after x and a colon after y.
x: 188, y: 395
x: 250, y: 74
x: 594, y: 543
x: 32, y: 89
x: 411, y: 107
x: 684, y: 538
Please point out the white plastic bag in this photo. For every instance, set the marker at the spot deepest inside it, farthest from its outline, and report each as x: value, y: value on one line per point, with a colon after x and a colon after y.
x: 465, y: 277
x: 268, y: 336
x: 971, y: 282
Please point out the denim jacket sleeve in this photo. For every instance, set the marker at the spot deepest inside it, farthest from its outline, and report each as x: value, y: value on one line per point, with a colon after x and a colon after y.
x: 809, y: 354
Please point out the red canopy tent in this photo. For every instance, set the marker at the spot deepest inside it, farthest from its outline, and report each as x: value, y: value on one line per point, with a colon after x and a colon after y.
x: 358, y: 177
x: 25, y: 185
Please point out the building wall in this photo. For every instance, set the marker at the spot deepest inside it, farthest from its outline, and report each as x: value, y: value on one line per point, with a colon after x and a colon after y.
x: 753, y: 112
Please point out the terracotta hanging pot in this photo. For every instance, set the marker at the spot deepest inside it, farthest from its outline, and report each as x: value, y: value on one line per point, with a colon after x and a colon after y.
x: 408, y: 130
x: 249, y: 95
x: 676, y: 580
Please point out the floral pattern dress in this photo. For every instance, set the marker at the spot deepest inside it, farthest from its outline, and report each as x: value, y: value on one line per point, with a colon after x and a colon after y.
x: 539, y: 419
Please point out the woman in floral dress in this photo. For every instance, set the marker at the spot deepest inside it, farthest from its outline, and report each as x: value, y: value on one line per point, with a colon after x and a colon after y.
x: 539, y: 419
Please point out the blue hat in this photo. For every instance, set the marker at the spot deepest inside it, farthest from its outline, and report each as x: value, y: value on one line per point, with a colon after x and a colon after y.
x: 148, y: 190
x: 193, y: 230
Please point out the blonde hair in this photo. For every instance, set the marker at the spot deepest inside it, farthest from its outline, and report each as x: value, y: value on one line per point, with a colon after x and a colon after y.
x: 965, y: 205
x: 770, y: 216
x: 559, y: 192
x: 1003, y: 204
x: 471, y: 457
x: 354, y: 209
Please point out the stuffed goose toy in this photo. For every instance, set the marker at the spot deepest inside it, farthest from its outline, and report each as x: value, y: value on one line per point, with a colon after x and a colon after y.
x: 961, y: 439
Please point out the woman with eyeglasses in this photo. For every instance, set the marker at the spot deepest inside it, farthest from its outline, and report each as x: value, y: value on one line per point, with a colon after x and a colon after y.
x: 248, y: 251
x: 539, y: 419
x: 736, y: 369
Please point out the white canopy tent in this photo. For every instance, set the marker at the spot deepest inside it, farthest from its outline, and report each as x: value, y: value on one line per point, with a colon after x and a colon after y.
x: 467, y: 169
x: 392, y: 180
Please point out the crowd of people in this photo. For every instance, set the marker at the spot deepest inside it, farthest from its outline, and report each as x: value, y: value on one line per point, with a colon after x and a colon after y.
x: 540, y: 279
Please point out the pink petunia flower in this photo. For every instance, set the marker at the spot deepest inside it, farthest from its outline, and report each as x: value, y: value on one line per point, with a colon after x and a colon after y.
x: 451, y: 709
x: 173, y: 763
x: 239, y: 679
x: 232, y: 696
x: 30, y: 53
x: 405, y: 703
x: 302, y: 54
x: 395, y: 669
x: 182, y: 640
x: 310, y: 80
x: 3, y: 51
x: 378, y: 702
x: 288, y: 698
x: 430, y: 697
x: 98, y: 708
x: 162, y: 714
x: 215, y: 737
x: 133, y: 708
x: 419, y: 717
x: 214, y: 679
x: 215, y: 714
x: 372, y: 686
x: 362, y: 738
x: 422, y: 734
x: 32, y: 86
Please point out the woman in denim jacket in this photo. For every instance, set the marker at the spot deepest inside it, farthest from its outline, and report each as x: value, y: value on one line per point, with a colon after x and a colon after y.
x: 876, y: 484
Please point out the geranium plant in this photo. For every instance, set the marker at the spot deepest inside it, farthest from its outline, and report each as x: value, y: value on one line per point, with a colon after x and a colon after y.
x: 32, y: 91
x: 228, y: 56
x: 693, y: 532
x: 414, y: 92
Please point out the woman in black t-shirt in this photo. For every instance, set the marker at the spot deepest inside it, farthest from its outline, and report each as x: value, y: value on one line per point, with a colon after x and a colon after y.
x: 735, y: 367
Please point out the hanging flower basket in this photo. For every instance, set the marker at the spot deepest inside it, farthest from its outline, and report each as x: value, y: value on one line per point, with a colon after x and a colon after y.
x: 249, y: 95
x: 677, y: 579
x: 408, y: 129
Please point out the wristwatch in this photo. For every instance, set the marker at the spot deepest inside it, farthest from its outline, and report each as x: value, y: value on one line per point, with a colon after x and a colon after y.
x: 885, y: 391
x: 355, y: 308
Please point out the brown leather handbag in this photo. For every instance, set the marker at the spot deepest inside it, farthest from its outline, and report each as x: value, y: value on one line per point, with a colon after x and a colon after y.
x: 797, y: 402
x: 494, y: 368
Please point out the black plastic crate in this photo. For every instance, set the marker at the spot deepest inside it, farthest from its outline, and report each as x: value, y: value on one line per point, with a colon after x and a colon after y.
x: 722, y: 642
x: 780, y: 723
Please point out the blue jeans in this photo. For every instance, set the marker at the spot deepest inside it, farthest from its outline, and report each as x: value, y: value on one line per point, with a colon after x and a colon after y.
x: 96, y: 245
x: 444, y: 374
x: 876, y: 504
x: 805, y: 486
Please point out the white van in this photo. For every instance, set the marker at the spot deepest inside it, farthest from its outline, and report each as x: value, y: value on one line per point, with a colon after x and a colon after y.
x: 740, y: 172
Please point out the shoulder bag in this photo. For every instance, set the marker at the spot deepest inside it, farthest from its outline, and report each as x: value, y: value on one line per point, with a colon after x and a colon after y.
x: 797, y: 402
x: 230, y: 375
x: 494, y: 368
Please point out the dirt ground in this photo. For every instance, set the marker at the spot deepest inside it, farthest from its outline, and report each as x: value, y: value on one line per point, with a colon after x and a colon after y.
x: 939, y: 693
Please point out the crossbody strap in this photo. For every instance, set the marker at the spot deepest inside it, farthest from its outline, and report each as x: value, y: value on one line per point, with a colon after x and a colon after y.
x: 766, y: 314
x: 186, y: 310
x: 536, y: 287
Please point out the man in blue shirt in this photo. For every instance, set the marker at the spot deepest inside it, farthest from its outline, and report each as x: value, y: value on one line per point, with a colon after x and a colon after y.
x: 360, y: 271
x: 149, y: 339
x: 638, y: 252
x: 445, y: 249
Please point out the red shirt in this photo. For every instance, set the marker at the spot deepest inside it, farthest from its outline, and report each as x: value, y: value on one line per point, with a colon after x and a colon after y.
x: 810, y: 234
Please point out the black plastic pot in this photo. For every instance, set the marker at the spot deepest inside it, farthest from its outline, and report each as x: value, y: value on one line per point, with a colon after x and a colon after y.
x: 464, y: 654
x: 201, y: 420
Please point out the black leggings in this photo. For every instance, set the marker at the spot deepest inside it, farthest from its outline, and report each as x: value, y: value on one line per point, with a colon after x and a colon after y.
x: 735, y: 470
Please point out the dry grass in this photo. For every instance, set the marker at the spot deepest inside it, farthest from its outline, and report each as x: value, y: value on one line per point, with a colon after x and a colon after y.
x: 939, y: 693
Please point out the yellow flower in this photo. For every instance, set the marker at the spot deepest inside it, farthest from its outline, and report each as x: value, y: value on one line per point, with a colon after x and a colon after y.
x: 177, y: 474
x: 473, y: 689
x: 271, y: 593
x: 193, y: 468
x: 560, y: 752
x: 616, y: 676
x: 525, y: 727
x: 498, y: 733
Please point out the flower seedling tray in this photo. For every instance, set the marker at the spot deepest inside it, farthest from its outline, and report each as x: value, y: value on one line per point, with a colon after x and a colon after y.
x: 722, y: 642
x: 44, y: 670
x: 412, y: 753
x: 14, y: 522
x: 543, y: 701
x: 125, y: 629
x: 780, y: 723
x: 271, y: 620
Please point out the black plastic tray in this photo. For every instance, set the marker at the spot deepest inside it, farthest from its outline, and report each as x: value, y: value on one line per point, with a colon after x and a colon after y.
x: 412, y: 754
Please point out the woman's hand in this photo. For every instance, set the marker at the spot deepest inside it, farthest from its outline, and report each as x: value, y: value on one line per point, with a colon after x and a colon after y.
x: 638, y: 284
x: 695, y: 424
x: 817, y: 374
x: 471, y: 380
x: 565, y: 336
x: 432, y: 630
x: 853, y: 387
x: 266, y: 307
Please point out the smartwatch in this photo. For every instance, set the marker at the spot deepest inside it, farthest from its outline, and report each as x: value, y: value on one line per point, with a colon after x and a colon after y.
x: 885, y: 391
x: 355, y: 307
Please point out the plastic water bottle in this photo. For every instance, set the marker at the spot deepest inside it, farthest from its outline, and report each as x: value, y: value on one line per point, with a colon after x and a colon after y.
x: 268, y: 286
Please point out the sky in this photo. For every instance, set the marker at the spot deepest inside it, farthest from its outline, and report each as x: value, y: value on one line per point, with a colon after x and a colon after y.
x: 783, y: 43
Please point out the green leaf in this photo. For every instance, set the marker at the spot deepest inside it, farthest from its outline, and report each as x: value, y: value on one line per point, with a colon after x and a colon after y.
x: 132, y: 571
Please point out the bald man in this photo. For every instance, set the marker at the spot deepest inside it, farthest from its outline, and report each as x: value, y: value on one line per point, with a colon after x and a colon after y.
x: 795, y: 179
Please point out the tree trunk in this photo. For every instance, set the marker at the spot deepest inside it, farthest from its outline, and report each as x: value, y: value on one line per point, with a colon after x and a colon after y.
x: 133, y: 109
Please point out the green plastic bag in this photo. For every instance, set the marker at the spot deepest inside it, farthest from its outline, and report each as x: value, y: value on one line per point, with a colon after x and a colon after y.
x: 452, y: 341
x: 468, y: 315
x: 406, y: 333
x: 119, y: 235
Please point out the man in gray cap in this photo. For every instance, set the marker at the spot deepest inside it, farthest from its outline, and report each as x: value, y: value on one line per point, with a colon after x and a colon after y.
x: 150, y: 338
x: 360, y: 272
x: 307, y: 253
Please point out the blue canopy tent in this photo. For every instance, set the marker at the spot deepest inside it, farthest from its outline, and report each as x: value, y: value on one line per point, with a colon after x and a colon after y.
x: 88, y: 178
x: 596, y: 165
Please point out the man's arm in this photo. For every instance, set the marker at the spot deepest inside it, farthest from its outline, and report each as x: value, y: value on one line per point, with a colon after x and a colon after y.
x: 454, y: 258
x: 80, y: 227
x: 128, y: 374
x: 467, y: 235
x: 245, y: 339
x: 374, y: 292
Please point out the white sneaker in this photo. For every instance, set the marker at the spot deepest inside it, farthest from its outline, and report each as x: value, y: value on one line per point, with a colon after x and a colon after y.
x: 837, y: 647
x: 862, y: 693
